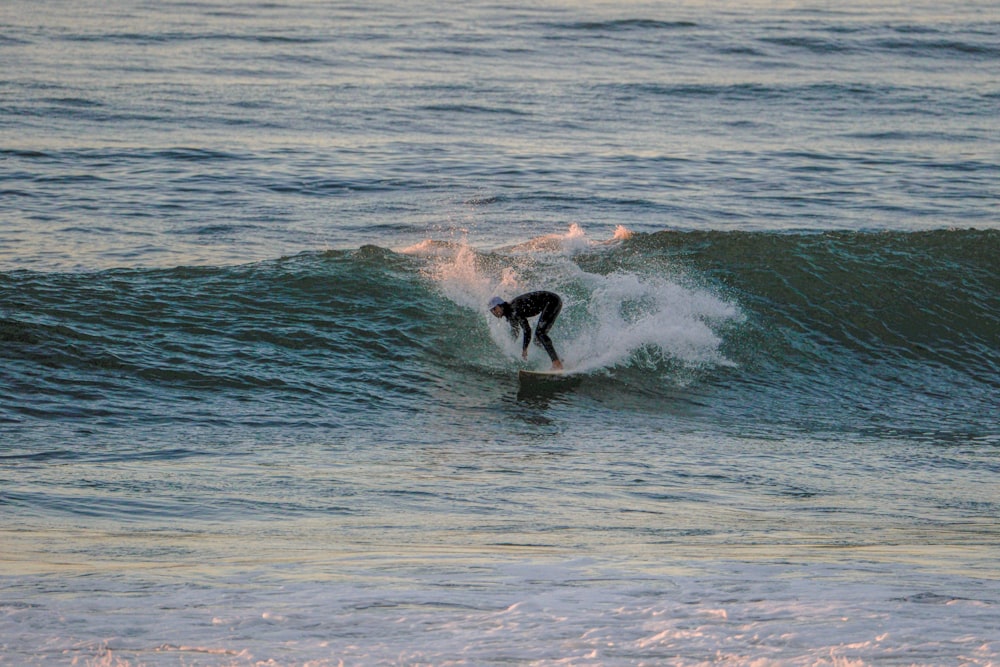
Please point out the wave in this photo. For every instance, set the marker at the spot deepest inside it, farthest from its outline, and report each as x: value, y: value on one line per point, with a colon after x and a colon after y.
x: 930, y: 296
x: 861, y: 328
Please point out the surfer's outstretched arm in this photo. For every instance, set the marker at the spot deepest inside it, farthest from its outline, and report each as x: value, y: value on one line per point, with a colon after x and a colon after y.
x: 515, y: 328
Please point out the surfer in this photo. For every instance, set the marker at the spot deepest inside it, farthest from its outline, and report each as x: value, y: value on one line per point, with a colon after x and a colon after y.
x: 544, y: 304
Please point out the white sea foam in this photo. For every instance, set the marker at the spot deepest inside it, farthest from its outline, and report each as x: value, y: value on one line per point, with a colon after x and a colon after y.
x: 527, y: 612
x: 608, y: 320
x: 627, y: 313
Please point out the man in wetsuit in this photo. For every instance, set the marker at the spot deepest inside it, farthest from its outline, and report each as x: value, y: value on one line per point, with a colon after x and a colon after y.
x: 544, y: 304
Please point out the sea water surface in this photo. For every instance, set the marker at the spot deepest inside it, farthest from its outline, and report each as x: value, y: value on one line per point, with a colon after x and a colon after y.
x: 254, y: 412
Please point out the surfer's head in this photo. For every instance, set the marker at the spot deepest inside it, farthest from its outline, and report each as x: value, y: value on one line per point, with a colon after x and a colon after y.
x: 496, y: 306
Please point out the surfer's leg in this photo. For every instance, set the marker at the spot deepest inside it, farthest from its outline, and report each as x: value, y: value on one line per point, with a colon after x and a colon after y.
x: 545, y: 322
x: 546, y: 342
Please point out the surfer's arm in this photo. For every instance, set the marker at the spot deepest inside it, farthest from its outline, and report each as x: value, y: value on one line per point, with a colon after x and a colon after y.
x: 527, y: 339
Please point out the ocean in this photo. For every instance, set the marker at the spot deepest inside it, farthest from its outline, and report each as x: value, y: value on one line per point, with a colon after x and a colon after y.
x: 254, y: 412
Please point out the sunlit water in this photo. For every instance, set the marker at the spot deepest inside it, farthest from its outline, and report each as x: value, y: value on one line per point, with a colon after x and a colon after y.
x: 253, y: 410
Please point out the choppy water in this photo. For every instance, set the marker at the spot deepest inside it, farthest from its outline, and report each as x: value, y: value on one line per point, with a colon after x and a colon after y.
x: 254, y: 411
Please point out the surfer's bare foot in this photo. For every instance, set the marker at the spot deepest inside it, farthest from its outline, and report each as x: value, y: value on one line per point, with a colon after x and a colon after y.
x: 557, y: 365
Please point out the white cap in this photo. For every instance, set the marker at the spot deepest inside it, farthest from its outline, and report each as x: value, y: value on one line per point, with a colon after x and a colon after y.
x: 494, y: 302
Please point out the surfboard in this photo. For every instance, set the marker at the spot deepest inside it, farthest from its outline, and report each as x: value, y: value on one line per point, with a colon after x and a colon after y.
x: 543, y: 375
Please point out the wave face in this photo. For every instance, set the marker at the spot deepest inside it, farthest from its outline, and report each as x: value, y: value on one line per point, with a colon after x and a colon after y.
x: 821, y: 332
x: 859, y: 328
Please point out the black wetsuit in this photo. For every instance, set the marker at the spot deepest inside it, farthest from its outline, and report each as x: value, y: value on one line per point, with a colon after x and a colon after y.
x: 544, y: 304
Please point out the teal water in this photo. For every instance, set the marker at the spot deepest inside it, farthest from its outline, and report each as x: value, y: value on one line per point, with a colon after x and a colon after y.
x: 253, y: 410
